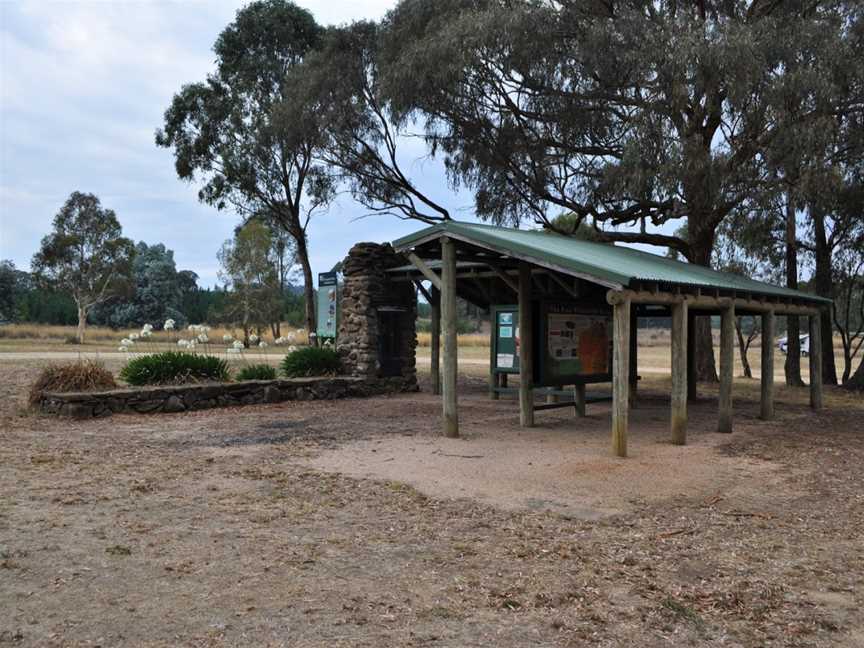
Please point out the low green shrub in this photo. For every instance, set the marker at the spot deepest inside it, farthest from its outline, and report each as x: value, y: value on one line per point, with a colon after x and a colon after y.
x: 83, y: 375
x: 257, y: 372
x: 311, y: 361
x: 174, y: 368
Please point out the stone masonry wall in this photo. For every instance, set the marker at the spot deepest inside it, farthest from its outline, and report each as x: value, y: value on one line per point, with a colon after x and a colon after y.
x: 367, y: 290
x: 168, y: 399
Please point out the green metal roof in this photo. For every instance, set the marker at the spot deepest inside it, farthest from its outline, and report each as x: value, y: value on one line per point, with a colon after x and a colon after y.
x: 610, y: 265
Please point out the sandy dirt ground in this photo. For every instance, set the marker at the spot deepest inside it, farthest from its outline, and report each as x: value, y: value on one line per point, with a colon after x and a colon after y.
x: 290, y: 525
x: 563, y: 465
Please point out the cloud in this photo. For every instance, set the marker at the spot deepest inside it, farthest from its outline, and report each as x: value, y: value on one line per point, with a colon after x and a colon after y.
x: 83, y: 86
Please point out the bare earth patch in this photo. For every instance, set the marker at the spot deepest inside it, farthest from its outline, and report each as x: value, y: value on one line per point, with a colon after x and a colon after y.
x: 234, y: 527
x: 563, y: 465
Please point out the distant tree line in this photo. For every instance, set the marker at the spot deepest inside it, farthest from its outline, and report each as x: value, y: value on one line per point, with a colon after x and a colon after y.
x: 86, y: 272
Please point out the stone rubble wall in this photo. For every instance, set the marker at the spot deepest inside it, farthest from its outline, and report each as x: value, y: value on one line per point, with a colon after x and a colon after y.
x: 366, y: 289
x: 182, y: 398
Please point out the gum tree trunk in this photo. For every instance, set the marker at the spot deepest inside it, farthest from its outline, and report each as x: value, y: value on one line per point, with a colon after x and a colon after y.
x: 701, y: 246
x: 308, y: 288
x: 792, y: 365
x: 743, y: 347
x: 824, y: 286
x: 82, y: 323
x: 857, y: 379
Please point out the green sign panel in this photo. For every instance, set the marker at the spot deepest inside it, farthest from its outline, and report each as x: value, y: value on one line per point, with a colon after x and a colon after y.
x: 505, y: 339
x: 328, y: 305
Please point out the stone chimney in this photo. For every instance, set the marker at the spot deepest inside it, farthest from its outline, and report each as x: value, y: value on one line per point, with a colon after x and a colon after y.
x: 377, y: 337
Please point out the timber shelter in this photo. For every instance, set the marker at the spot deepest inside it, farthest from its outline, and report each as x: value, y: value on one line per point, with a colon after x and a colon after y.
x: 564, y: 313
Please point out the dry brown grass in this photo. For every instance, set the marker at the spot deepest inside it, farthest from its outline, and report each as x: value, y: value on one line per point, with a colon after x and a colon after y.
x: 465, y: 340
x: 83, y: 375
x: 105, y: 335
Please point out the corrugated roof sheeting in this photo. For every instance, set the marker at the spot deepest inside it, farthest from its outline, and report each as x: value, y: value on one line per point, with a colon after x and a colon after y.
x: 611, y: 265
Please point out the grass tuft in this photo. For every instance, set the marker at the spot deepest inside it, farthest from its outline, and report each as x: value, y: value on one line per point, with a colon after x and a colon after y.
x: 174, y: 368
x: 257, y: 372
x: 83, y: 375
x: 311, y: 361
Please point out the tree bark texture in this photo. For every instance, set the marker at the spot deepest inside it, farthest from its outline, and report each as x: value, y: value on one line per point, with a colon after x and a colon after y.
x: 823, y: 283
x: 308, y: 289
x: 792, y: 365
x: 706, y: 368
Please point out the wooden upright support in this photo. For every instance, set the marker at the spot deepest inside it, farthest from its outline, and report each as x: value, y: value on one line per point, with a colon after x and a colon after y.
x: 767, y: 365
x: 634, y: 355
x: 448, y: 321
x: 692, y: 385
x: 680, y: 371
x: 526, y: 348
x: 620, y: 376
x: 727, y: 361
x: 436, y: 340
x: 494, y: 376
x: 815, y: 362
x: 579, y: 399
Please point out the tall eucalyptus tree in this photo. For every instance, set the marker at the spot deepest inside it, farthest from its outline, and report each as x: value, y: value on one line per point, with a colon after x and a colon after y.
x: 224, y: 133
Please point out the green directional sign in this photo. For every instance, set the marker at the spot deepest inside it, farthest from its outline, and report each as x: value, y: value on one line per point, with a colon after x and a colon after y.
x: 505, y: 336
x: 328, y: 305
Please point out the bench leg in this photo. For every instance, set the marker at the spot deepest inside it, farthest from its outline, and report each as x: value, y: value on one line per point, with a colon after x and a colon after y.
x: 579, y: 400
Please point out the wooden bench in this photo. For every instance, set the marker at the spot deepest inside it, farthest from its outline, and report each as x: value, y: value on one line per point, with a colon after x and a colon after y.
x: 579, y: 396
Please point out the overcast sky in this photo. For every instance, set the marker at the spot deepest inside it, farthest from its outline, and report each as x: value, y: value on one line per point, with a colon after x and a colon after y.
x: 83, y: 86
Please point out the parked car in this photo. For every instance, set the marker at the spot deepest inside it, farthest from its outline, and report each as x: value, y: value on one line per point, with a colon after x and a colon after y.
x: 783, y: 344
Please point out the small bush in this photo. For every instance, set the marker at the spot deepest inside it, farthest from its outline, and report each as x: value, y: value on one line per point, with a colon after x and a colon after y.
x: 311, y: 361
x: 257, y: 372
x: 174, y: 368
x: 83, y: 375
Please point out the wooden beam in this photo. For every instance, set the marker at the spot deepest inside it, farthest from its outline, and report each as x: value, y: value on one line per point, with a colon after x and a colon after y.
x: 448, y: 317
x: 570, y: 290
x: 435, y: 329
x: 508, y: 281
x: 426, y: 271
x: 709, y: 302
x: 815, y: 362
x: 767, y: 410
x: 727, y: 362
x: 526, y: 348
x: 423, y: 291
x: 620, y: 376
x: 680, y: 335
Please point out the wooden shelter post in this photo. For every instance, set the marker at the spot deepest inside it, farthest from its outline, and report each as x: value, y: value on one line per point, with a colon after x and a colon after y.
x: 767, y: 365
x: 692, y: 383
x: 680, y: 371
x: 494, y: 377
x: 634, y: 356
x: 448, y: 321
x: 526, y: 348
x: 620, y: 375
x: 435, y: 329
x: 815, y: 361
x: 727, y: 361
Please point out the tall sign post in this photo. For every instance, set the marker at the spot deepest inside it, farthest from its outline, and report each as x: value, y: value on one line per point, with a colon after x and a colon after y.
x: 328, y: 306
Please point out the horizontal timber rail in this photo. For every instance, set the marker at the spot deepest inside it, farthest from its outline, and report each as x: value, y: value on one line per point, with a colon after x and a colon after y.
x: 614, y: 297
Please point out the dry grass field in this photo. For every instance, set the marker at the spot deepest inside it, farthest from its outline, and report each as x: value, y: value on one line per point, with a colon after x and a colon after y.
x: 42, y: 337
x: 353, y: 523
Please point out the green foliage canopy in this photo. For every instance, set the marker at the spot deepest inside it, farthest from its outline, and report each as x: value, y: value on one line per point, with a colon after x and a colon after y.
x: 223, y: 130
x: 85, y: 255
